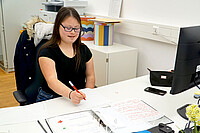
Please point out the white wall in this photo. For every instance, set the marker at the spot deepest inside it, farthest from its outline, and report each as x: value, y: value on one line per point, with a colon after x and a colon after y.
x: 0, y: 47
x: 173, y: 12
x: 98, y: 7
x: 15, y: 14
x: 170, y: 12
x: 151, y: 54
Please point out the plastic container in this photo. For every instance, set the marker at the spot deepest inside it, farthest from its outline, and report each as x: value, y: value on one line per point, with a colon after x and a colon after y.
x: 103, y: 34
x: 88, y: 27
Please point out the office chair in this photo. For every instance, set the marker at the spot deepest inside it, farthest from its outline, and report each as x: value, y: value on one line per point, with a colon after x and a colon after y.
x: 27, y: 92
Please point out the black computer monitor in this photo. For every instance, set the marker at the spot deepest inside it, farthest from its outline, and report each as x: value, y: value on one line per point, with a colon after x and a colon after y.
x: 187, y: 63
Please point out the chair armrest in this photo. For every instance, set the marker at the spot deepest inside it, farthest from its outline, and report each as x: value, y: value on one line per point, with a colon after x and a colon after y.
x: 20, y: 97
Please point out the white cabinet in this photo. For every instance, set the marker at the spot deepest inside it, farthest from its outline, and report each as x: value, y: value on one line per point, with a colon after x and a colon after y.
x: 113, y: 63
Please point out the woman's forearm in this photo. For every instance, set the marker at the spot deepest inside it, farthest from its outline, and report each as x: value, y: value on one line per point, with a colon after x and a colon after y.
x: 58, y: 87
x: 90, y: 82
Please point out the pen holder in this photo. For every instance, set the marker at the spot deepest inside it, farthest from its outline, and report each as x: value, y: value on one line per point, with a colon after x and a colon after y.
x: 103, y: 34
x: 88, y: 27
x: 161, y: 78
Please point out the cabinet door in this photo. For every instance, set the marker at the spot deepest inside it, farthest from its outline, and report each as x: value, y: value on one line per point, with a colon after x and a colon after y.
x: 100, y: 67
x: 122, y: 66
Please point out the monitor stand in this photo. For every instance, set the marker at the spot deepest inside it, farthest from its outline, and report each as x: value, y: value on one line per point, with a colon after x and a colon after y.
x: 182, y: 110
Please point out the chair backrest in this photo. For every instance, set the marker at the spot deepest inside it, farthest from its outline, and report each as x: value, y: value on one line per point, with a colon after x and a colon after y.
x: 24, y: 60
x: 31, y: 91
x: 27, y: 71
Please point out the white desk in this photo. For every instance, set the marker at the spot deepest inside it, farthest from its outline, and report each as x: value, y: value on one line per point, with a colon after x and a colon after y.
x: 133, y: 88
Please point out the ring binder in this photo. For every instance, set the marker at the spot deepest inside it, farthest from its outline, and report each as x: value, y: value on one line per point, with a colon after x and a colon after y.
x: 131, y: 115
x: 84, y: 122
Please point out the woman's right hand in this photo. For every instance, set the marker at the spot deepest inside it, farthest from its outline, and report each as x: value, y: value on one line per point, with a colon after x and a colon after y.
x: 77, y: 97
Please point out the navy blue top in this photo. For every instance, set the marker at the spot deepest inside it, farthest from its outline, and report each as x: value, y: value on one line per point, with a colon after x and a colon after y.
x: 65, y: 67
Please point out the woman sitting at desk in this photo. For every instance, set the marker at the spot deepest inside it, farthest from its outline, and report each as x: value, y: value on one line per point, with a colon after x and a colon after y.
x: 64, y: 58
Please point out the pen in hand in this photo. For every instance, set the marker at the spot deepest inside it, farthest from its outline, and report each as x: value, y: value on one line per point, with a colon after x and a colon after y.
x: 76, y: 89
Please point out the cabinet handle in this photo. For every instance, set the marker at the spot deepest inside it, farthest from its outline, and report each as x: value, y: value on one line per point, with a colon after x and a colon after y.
x: 106, y: 59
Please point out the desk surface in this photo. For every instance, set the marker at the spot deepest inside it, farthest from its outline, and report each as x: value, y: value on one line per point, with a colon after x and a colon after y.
x: 23, y: 118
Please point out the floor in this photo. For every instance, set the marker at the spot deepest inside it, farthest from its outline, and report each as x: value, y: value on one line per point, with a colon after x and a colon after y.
x: 7, y: 86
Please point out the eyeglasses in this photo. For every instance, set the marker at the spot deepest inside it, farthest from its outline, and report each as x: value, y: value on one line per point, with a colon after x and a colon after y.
x: 69, y: 29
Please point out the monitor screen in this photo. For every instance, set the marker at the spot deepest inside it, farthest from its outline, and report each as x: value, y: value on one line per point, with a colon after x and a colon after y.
x: 187, y: 63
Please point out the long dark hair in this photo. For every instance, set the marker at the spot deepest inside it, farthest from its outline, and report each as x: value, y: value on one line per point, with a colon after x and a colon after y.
x: 55, y: 40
